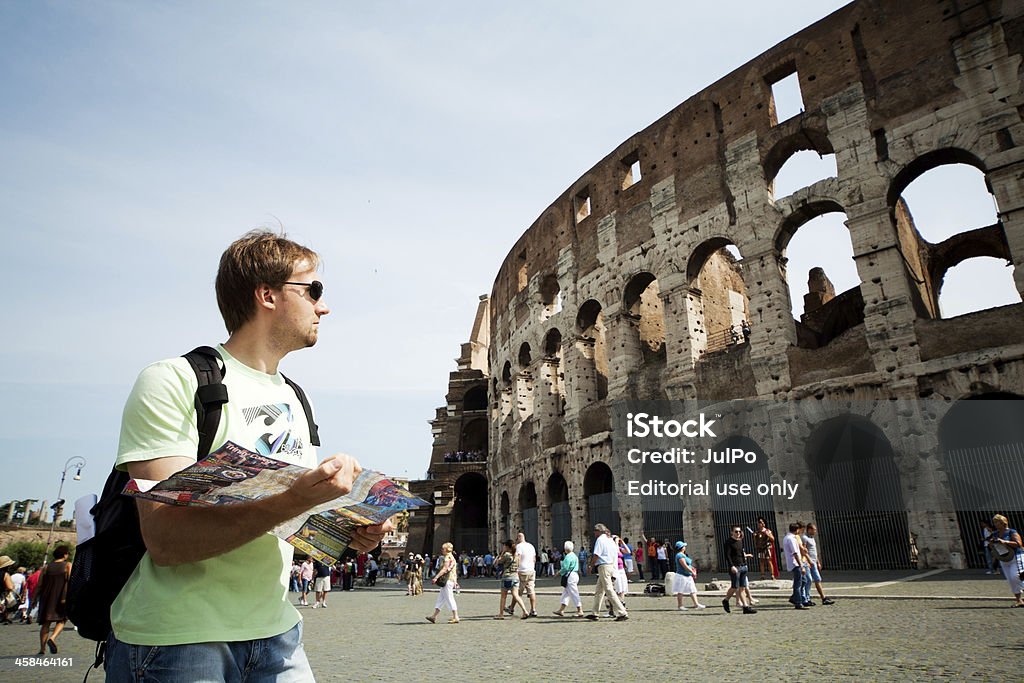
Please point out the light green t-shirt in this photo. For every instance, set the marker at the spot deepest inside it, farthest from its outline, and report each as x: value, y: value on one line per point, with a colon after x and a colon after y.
x: 242, y: 594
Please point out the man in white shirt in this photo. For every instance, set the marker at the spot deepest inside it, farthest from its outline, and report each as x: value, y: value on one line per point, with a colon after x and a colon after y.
x: 606, y: 559
x: 526, y: 558
x: 811, y: 544
x: 793, y: 550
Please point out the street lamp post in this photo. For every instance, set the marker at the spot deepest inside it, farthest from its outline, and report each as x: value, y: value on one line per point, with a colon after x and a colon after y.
x: 75, y: 461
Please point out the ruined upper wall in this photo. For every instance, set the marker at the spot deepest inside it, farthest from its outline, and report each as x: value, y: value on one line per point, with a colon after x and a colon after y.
x: 898, y: 55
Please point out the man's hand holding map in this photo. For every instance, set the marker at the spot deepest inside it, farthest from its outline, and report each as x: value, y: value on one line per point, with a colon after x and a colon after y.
x: 232, y: 475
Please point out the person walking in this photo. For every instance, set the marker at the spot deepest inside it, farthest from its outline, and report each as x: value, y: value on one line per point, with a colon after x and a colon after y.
x: 570, y: 572
x: 306, y: 576
x: 810, y: 542
x: 684, y: 583
x: 509, y: 580
x: 736, y: 559
x: 795, y: 564
x: 445, y: 579
x: 604, y: 560
x: 53, y: 590
x: 1009, y: 550
x: 526, y: 561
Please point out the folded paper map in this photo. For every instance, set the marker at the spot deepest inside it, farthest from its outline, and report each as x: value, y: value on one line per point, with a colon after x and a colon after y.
x: 232, y: 475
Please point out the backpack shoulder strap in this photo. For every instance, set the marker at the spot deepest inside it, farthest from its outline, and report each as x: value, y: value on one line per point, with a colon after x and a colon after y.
x: 314, y: 431
x: 211, y: 394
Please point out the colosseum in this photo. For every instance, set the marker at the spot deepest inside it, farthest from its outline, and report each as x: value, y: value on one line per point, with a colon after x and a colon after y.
x: 661, y: 275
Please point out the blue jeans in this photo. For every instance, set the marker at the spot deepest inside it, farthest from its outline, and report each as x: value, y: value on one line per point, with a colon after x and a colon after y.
x: 279, y: 659
x: 801, y: 586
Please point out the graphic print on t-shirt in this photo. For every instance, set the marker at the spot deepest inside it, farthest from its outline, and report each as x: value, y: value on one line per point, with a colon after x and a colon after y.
x: 269, y: 429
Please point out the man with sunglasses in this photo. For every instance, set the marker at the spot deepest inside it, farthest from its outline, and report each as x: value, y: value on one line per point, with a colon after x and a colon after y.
x: 209, y: 599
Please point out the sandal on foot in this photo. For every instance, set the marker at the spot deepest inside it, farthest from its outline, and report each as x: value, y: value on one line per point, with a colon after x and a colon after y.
x: 432, y: 620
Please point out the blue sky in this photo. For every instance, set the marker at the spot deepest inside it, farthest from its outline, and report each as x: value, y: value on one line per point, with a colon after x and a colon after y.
x: 409, y: 143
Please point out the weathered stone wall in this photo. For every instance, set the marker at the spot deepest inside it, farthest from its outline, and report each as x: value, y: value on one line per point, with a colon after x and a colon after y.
x: 893, y: 89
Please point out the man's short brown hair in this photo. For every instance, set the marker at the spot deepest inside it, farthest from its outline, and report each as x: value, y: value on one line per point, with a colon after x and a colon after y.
x: 259, y: 257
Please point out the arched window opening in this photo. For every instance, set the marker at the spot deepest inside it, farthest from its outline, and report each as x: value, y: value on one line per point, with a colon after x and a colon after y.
x: 719, y: 309
x: 550, y: 297
x: 524, y: 356
x: 592, y: 383
x: 949, y: 199
x: 474, y: 440
x: 561, y: 510
x: 553, y: 377
x: 803, y: 169
x: 644, y: 307
x: 975, y: 285
x: 505, y: 521
x: 469, y: 512
x: 475, y: 399
x: 944, y: 216
x: 599, y: 492
x: 824, y: 286
x: 506, y: 390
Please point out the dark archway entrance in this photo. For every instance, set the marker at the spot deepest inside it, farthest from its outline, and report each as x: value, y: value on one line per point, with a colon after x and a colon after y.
x: 561, y: 512
x: 982, y: 443
x: 858, y: 503
x: 528, y: 505
x: 730, y: 511
x: 469, y: 513
x: 663, y: 515
x: 599, y: 491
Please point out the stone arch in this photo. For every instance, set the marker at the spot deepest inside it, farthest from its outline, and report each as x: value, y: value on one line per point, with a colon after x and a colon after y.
x: 505, y: 518
x: 524, y: 383
x: 591, y: 378
x: 599, y: 493
x: 551, y: 400
x: 826, y: 313
x: 930, y: 255
x: 858, y: 498
x: 505, y: 392
x: 474, y: 437
x: 550, y: 296
x: 805, y: 139
x: 525, y: 357
x: 731, y: 510
x: 469, y: 512
x: 528, y: 508
x: 642, y: 303
x: 560, y: 508
x: 475, y: 399
x: 981, y: 442
x: 718, y: 302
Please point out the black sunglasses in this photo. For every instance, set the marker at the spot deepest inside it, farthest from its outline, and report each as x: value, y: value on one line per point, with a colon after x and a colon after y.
x: 316, y: 288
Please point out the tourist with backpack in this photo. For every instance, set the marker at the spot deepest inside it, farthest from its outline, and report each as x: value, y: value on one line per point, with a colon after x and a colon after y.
x: 208, y: 599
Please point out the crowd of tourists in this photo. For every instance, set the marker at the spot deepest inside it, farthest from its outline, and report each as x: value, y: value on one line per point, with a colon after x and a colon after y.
x: 36, y: 594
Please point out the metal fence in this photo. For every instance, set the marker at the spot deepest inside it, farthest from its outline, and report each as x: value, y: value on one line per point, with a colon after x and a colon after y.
x: 561, y: 523
x: 985, y: 481
x: 601, y: 509
x: 530, y: 524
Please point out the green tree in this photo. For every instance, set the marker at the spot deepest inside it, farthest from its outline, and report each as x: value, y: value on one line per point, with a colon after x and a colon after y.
x: 25, y: 553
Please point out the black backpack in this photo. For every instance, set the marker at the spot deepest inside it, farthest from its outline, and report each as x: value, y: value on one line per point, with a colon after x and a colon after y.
x: 103, y: 564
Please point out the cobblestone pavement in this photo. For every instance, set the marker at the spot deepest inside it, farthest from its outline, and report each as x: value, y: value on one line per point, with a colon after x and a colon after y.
x: 960, y: 626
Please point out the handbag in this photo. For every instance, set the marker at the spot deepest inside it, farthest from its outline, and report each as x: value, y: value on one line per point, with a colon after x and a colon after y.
x: 10, y: 600
x: 565, y: 580
x: 440, y: 581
